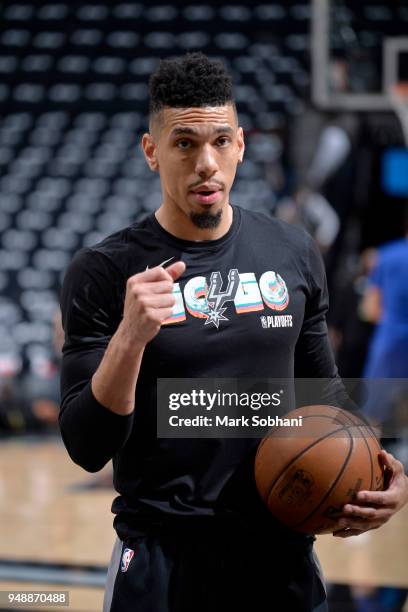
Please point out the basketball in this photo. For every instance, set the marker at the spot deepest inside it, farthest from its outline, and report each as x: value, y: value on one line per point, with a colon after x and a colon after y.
x: 306, y: 475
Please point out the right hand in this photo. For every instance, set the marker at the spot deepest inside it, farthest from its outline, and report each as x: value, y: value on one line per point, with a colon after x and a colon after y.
x: 148, y: 302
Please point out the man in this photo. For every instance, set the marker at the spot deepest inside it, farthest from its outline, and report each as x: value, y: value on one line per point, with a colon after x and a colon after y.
x: 385, y: 303
x: 192, y: 532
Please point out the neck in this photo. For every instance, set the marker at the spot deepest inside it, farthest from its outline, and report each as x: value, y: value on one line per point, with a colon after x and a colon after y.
x: 180, y: 225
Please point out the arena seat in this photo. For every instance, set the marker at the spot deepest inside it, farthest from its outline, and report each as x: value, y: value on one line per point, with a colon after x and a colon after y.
x: 235, y: 12
x: 86, y: 37
x: 127, y: 10
x: 199, y: 12
x: 74, y: 98
x: 12, y: 260
x: 8, y: 63
x: 193, y: 40
x: 142, y: 65
x: 30, y: 278
x: 273, y: 12
x: 92, y: 12
x: 160, y: 40
x: 161, y: 13
x: 18, y: 12
x: 11, y: 202
x: 231, y: 41
x: 33, y: 93
x: 43, y: 200
x: 50, y: 12
x: 77, y: 64
x: 15, y: 38
x: 37, y: 63
x: 33, y: 334
x: 124, y: 39
x: 33, y: 220
x: 48, y: 40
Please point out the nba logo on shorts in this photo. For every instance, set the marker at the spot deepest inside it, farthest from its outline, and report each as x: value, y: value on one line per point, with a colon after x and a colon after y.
x: 126, y: 559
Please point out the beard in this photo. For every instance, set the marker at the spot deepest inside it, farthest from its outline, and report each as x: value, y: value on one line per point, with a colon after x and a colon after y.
x: 206, y: 220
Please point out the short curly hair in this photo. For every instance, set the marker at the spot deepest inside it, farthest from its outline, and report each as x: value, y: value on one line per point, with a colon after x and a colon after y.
x: 193, y: 80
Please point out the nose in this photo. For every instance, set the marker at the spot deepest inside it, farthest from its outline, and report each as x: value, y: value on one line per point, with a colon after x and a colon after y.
x: 206, y: 162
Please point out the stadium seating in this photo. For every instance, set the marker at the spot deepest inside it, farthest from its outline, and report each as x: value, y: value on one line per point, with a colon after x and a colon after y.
x: 74, y: 97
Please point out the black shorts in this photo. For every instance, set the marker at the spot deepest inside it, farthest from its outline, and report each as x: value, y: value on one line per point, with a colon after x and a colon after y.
x: 212, y: 570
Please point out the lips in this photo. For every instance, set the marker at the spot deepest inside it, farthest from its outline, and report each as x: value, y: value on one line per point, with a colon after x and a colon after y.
x: 207, y: 194
x: 207, y: 198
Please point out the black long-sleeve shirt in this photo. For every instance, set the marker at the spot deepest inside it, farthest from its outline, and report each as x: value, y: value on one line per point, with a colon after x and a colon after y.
x: 281, y: 275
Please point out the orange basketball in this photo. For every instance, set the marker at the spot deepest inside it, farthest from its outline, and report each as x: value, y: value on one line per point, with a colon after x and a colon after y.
x: 306, y: 474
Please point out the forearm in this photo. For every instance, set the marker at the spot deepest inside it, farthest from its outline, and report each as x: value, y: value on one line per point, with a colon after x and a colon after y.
x: 92, y: 434
x: 96, y: 415
x: 114, y: 382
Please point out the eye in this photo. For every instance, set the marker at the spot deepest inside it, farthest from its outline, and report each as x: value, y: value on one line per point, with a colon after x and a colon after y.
x: 223, y: 141
x: 183, y: 144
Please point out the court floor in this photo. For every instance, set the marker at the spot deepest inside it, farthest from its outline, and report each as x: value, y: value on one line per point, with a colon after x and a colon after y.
x: 52, y: 526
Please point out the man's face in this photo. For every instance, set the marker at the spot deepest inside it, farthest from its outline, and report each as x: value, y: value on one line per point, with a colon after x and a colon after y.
x: 196, y: 151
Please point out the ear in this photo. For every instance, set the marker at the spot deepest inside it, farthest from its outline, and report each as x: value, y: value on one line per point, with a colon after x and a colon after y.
x: 150, y: 152
x: 241, y: 144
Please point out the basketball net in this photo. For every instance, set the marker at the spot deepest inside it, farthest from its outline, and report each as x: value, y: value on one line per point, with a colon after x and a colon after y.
x: 399, y: 101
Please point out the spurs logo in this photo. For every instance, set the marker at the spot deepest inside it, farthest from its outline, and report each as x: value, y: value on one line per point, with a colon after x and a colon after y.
x: 217, y: 298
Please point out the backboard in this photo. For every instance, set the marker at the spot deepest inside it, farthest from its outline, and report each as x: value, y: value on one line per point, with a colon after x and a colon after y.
x: 359, y: 53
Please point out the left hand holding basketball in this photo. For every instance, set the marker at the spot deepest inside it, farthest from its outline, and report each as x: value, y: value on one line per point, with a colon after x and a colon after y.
x: 372, y: 509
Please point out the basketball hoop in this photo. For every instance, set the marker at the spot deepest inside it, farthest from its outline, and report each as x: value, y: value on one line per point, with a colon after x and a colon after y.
x: 399, y: 100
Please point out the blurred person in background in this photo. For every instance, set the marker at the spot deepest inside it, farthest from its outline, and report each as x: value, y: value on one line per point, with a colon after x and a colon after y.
x: 350, y: 332
x: 385, y: 303
x: 30, y: 396
x: 45, y: 391
x: 322, y: 156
